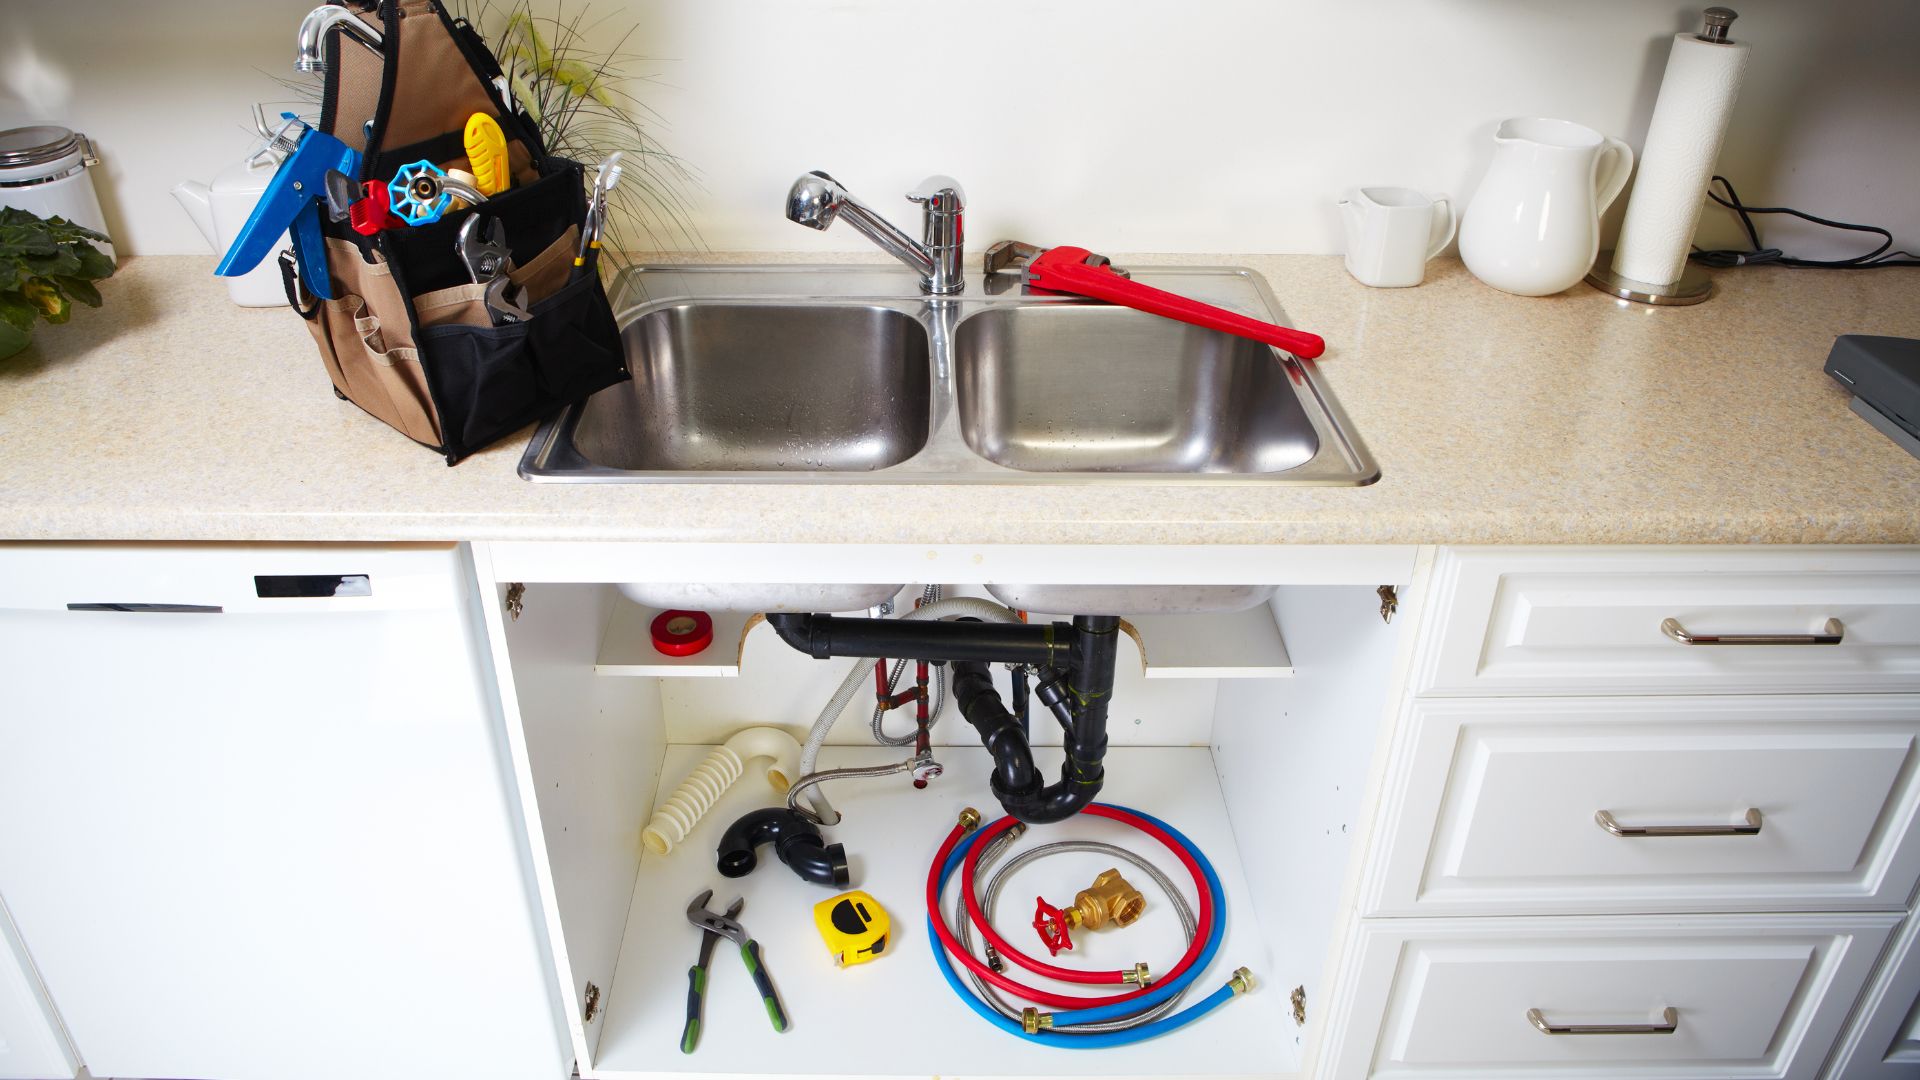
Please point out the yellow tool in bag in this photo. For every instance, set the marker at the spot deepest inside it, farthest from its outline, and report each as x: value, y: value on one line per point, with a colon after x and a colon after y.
x: 854, y: 926
x: 487, y: 154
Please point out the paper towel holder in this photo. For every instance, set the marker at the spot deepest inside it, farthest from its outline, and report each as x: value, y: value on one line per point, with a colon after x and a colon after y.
x: 1694, y: 285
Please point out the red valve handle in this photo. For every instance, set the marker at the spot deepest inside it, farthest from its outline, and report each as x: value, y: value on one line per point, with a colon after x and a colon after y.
x: 1068, y: 270
x: 1051, y: 924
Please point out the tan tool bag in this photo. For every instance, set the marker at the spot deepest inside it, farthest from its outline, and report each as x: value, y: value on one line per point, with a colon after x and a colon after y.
x: 408, y: 336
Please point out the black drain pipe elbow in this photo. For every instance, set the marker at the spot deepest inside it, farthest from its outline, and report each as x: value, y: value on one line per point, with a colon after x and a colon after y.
x: 796, y: 629
x: 1086, y: 697
x: 795, y: 839
x: 1013, y: 773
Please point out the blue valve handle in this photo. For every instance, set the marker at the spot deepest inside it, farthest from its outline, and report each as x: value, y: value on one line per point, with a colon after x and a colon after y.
x: 292, y: 203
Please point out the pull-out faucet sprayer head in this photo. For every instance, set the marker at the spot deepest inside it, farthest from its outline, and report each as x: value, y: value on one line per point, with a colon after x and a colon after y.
x: 815, y: 200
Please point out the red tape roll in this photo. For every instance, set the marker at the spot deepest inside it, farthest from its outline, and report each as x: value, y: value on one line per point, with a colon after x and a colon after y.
x: 682, y: 633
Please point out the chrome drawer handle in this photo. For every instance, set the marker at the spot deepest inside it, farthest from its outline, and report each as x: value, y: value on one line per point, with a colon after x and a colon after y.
x: 1829, y: 634
x: 1749, y: 827
x: 1669, y: 1023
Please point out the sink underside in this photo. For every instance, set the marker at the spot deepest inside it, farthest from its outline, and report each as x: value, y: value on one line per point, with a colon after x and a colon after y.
x: 848, y: 375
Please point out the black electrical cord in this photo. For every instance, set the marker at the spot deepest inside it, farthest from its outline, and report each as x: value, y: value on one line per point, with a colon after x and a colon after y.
x: 1760, y: 255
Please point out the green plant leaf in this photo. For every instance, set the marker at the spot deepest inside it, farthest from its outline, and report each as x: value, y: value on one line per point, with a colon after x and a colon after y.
x: 80, y: 289
x: 61, y: 261
x: 94, y: 263
x: 15, y: 311
x: 53, y: 307
x: 13, y: 339
x: 25, y: 241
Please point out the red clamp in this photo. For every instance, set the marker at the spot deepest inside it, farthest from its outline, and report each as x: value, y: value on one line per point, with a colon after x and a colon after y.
x: 1051, y: 924
x: 374, y: 212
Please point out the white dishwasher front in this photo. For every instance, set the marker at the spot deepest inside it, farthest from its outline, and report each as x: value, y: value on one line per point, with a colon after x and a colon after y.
x: 256, y: 818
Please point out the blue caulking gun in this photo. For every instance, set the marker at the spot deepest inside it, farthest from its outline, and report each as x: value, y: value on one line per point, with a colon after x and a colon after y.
x: 292, y: 203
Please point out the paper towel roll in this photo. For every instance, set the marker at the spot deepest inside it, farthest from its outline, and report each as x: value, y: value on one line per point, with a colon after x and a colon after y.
x: 1683, y: 142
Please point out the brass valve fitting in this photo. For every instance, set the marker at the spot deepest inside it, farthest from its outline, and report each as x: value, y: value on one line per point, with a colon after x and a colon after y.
x: 1032, y: 1020
x: 1139, y: 976
x: 1109, y: 899
x: 1242, y: 981
x: 969, y: 819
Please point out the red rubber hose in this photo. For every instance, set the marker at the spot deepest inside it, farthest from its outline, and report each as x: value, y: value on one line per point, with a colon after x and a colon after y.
x: 992, y: 936
x: 1041, y: 967
x: 1203, y: 930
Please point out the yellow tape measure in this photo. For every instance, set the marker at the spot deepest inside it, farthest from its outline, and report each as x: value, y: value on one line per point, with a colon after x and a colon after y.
x: 854, y: 926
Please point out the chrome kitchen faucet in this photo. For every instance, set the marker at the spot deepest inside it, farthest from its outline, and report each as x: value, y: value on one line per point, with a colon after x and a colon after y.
x: 816, y: 199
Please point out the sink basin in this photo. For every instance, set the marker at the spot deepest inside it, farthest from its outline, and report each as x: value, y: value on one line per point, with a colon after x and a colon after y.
x: 849, y: 375
x: 764, y: 387
x: 1099, y: 389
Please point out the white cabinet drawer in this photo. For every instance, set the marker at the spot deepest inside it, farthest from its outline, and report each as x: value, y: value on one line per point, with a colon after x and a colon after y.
x: 1589, y: 621
x: 1494, y: 808
x: 1752, y: 995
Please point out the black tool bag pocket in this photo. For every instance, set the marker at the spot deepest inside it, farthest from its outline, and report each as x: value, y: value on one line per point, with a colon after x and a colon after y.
x: 534, y: 215
x: 489, y: 381
x: 485, y: 381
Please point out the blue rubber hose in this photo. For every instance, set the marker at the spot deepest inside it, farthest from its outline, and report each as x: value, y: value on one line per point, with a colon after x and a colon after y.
x: 1107, y: 1012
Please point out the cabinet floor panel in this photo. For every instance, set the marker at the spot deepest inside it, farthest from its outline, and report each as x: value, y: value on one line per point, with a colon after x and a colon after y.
x: 895, y: 1016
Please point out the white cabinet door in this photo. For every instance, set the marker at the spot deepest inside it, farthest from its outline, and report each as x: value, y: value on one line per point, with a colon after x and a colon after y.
x: 1564, y: 621
x: 257, y: 836
x: 1500, y: 805
x: 1751, y: 996
x: 1883, y: 1042
x: 31, y: 1044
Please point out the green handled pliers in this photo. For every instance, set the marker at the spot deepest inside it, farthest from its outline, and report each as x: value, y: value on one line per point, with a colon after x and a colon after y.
x: 713, y: 927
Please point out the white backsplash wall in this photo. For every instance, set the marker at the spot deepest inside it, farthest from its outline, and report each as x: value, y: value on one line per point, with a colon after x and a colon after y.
x: 1121, y: 125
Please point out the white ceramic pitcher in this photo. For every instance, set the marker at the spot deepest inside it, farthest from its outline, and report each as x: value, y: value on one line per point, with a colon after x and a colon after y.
x: 1393, y: 232
x: 1533, y: 228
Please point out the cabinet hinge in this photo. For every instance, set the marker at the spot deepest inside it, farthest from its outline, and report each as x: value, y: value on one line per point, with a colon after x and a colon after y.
x: 516, y: 595
x: 593, y: 1004
x: 1389, y: 602
x: 1298, y: 999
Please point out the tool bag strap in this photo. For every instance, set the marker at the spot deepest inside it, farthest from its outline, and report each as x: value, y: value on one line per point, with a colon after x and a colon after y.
x: 411, y: 99
x: 291, y: 282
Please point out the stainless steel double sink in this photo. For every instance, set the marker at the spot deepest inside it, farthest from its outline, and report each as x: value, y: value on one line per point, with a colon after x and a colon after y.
x: 842, y: 374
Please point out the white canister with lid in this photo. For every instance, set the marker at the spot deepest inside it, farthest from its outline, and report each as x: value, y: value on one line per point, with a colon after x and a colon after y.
x: 43, y: 170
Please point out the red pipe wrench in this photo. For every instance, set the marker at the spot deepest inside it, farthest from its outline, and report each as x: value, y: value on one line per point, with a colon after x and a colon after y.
x: 1080, y: 272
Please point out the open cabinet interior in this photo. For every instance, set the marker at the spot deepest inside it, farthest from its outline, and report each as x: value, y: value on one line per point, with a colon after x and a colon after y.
x: 1252, y: 732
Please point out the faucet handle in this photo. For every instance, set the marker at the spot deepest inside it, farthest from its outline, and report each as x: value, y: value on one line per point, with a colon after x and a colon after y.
x: 941, y: 194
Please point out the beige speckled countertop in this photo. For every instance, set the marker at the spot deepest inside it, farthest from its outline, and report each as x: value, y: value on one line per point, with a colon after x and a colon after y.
x: 171, y: 414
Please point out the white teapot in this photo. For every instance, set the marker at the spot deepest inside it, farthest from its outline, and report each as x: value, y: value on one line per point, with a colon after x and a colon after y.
x: 1533, y: 228
x: 221, y: 209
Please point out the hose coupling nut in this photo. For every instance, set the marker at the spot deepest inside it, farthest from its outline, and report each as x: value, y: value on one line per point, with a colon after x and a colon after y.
x: 1033, y: 1021
x: 969, y: 819
x: 1138, y: 976
x: 1242, y: 981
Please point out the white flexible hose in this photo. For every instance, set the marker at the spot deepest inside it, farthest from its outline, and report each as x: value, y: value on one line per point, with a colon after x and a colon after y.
x: 713, y: 776
x: 982, y: 609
